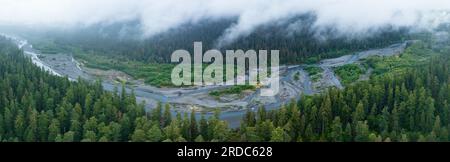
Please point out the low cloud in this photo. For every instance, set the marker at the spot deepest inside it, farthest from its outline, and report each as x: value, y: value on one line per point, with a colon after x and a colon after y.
x: 348, y: 17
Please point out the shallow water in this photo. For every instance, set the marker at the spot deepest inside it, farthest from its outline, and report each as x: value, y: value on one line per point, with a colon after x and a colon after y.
x: 232, y: 117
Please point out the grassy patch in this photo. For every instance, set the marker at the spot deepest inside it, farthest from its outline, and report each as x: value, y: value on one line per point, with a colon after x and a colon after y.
x: 314, y: 72
x: 416, y: 55
x: 232, y: 90
x: 349, y: 73
x: 153, y: 74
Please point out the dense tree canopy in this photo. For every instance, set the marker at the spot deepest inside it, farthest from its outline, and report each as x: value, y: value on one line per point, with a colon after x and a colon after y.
x: 296, y: 38
x: 37, y: 106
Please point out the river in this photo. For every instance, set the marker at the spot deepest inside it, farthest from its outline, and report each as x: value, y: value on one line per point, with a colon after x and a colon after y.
x: 289, y: 87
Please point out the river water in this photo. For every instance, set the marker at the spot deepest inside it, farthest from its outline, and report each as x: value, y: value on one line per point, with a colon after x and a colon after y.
x: 232, y: 117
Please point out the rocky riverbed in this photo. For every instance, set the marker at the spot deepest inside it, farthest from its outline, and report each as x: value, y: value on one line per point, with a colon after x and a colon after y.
x: 294, y: 82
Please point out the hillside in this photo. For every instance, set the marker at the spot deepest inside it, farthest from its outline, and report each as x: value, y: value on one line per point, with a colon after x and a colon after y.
x: 409, y: 103
x: 296, y: 39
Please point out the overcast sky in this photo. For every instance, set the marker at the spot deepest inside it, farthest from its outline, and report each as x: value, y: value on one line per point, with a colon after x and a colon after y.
x: 348, y: 16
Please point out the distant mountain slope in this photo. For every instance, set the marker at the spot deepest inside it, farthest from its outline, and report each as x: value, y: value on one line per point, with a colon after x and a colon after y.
x: 296, y: 39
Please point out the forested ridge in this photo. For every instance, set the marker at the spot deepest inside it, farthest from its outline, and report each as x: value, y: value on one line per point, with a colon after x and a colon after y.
x: 296, y: 39
x: 410, y: 107
x: 123, y: 47
x: 36, y: 106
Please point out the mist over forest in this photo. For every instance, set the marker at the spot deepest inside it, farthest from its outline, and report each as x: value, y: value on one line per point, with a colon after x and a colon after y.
x: 100, y: 71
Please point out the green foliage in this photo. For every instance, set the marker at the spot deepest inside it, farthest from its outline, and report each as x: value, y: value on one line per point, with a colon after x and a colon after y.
x: 155, y: 134
x: 279, y: 135
x: 418, y: 54
x: 407, y: 104
x: 152, y: 73
x: 139, y: 136
x: 297, y: 76
x: 37, y: 106
x: 149, y: 59
x: 349, y: 73
x: 232, y: 90
x: 406, y: 107
x: 301, y: 46
x: 314, y: 72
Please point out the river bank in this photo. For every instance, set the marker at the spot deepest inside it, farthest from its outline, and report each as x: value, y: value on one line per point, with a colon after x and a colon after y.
x: 294, y: 82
